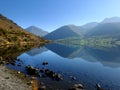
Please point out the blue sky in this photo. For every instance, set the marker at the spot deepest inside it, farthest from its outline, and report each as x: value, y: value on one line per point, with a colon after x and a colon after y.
x: 51, y: 14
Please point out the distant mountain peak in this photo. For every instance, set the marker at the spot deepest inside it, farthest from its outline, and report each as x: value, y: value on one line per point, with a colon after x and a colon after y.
x: 33, y: 26
x: 90, y: 25
x: 111, y: 20
x: 70, y: 25
x: 37, y: 31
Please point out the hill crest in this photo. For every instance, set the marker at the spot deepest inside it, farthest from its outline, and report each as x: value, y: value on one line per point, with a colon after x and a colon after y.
x: 36, y: 31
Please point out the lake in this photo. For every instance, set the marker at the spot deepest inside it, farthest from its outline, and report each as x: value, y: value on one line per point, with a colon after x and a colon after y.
x: 81, y: 64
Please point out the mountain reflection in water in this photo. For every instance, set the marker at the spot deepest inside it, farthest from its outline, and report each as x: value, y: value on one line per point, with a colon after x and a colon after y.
x: 107, y: 56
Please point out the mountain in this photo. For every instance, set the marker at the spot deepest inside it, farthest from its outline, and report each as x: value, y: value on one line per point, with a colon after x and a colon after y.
x: 87, y: 27
x: 11, y: 33
x: 111, y: 30
x: 64, y: 32
x: 37, y: 31
x: 90, y: 25
x: 111, y: 20
x: 108, y: 28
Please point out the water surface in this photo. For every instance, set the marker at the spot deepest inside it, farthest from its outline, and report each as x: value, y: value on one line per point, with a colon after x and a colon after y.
x: 87, y: 64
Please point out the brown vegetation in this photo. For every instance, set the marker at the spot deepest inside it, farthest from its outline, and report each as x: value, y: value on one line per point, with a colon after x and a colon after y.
x: 11, y: 33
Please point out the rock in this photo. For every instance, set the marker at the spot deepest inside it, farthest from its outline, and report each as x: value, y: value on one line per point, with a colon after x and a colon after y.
x: 38, y: 75
x: 73, y: 78
x: 76, y: 87
x: 2, y: 62
x: 29, y: 83
x: 26, y: 75
x: 42, y: 87
x: 19, y: 65
x: 99, y: 87
x: 18, y: 59
x: 42, y: 70
x: 58, y: 77
x: 12, y: 63
x: 32, y: 78
x: 80, y: 86
x: 31, y: 70
x: 18, y: 72
x: 51, y: 74
x: 41, y: 83
x: 7, y: 77
x: 47, y: 72
x: 44, y: 63
x: 43, y: 76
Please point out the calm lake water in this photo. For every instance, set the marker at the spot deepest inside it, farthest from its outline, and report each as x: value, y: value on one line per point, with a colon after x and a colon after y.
x: 87, y: 65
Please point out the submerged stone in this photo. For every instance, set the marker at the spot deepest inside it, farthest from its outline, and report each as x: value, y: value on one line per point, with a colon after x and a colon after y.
x: 73, y: 78
x: 76, y: 87
x: 99, y: 87
x: 42, y: 70
x: 44, y: 63
x: 58, y: 77
x: 43, y: 87
x: 31, y: 70
x: 19, y: 65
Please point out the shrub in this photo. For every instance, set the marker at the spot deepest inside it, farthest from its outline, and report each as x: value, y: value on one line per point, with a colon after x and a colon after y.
x: 10, y: 27
x: 14, y: 38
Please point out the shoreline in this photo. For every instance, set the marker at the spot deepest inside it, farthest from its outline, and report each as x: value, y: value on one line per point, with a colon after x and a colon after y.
x: 9, y: 80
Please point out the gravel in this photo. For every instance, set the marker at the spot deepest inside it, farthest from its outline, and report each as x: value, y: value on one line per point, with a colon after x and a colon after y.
x: 11, y: 82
